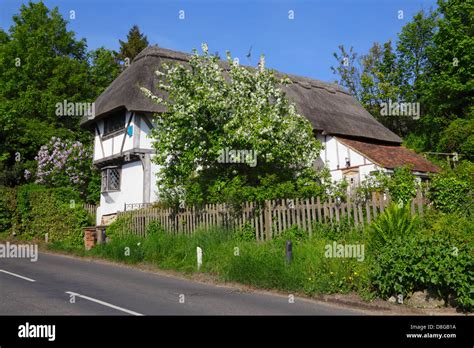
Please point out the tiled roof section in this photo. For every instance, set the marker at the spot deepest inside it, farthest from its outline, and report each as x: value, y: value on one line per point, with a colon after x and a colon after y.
x: 391, y: 156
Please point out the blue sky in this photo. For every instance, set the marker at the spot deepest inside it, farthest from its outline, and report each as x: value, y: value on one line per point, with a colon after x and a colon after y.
x: 302, y: 46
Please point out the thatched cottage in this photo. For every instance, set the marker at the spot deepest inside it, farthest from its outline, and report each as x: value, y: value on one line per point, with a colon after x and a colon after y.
x: 355, y: 143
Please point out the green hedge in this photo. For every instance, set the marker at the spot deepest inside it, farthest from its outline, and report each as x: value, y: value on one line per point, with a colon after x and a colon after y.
x: 452, y: 191
x: 33, y: 210
x: 7, y: 208
x: 438, y: 257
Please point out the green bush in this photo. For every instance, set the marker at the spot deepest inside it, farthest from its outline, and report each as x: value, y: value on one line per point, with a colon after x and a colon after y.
x: 235, y: 190
x: 7, y: 208
x: 457, y: 226
x: 12, y: 175
x: 395, y: 223
x: 452, y: 190
x: 295, y: 234
x: 449, y: 194
x: 118, y: 227
x: 426, y: 261
x: 458, y: 136
x: 246, y: 233
x: 56, y: 211
x: 435, y: 256
x: 402, y: 185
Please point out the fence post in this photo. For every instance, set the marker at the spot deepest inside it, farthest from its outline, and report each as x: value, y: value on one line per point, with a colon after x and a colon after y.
x: 374, y: 204
x: 289, y: 251
x: 268, y: 220
x: 382, y: 208
x: 367, y: 211
x: 361, y: 216
x: 260, y: 222
x: 311, y: 218
x: 349, y: 216
x: 199, y: 257
x: 330, y: 206
x: 419, y: 198
x: 318, y: 203
x: 356, y: 219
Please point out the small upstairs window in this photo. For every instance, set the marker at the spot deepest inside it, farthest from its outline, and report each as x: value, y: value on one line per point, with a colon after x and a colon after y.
x: 111, y: 179
x: 114, y: 124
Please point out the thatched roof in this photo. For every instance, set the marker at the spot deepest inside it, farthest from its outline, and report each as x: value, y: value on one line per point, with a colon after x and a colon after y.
x: 327, y: 106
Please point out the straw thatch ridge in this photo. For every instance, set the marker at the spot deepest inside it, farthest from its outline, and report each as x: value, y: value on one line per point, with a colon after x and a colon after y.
x: 327, y: 106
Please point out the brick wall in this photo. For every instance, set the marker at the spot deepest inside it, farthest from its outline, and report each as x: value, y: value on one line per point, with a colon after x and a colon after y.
x: 90, y: 238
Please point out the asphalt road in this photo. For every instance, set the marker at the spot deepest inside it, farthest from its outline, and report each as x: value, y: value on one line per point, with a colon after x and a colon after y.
x: 48, y: 286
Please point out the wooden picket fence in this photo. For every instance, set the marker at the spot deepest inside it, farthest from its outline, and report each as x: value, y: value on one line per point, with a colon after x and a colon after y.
x: 268, y: 219
x: 91, y: 209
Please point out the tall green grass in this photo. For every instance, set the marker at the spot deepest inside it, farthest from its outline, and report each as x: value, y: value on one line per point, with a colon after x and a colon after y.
x: 232, y: 258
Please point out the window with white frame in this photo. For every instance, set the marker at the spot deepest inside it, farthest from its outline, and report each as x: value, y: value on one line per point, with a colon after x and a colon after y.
x: 111, y: 179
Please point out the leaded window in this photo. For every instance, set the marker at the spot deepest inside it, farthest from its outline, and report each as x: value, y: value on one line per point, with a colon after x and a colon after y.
x: 114, y: 124
x: 111, y: 179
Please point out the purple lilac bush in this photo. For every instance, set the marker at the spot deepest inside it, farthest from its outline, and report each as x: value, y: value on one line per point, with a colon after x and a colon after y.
x: 62, y: 163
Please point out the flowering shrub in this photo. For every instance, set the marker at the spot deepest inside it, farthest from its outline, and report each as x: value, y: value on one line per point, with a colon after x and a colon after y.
x: 228, y: 127
x: 63, y: 163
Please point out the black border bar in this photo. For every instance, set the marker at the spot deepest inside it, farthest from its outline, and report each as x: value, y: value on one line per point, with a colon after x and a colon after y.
x: 240, y: 330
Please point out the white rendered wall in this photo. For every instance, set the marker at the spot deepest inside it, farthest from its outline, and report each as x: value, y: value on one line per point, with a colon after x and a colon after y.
x: 154, y: 187
x: 145, y: 141
x: 131, y: 190
x: 131, y: 186
x: 111, y: 146
x: 335, y: 153
x: 364, y: 171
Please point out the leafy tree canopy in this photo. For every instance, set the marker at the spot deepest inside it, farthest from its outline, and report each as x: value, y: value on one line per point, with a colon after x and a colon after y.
x: 42, y: 64
x: 430, y: 64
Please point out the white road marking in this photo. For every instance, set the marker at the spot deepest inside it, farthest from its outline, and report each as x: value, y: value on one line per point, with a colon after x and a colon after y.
x: 104, y: 303
x: 17, y: 275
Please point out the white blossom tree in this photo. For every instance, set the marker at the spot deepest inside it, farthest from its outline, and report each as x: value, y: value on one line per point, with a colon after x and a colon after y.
x: 226, y: 124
